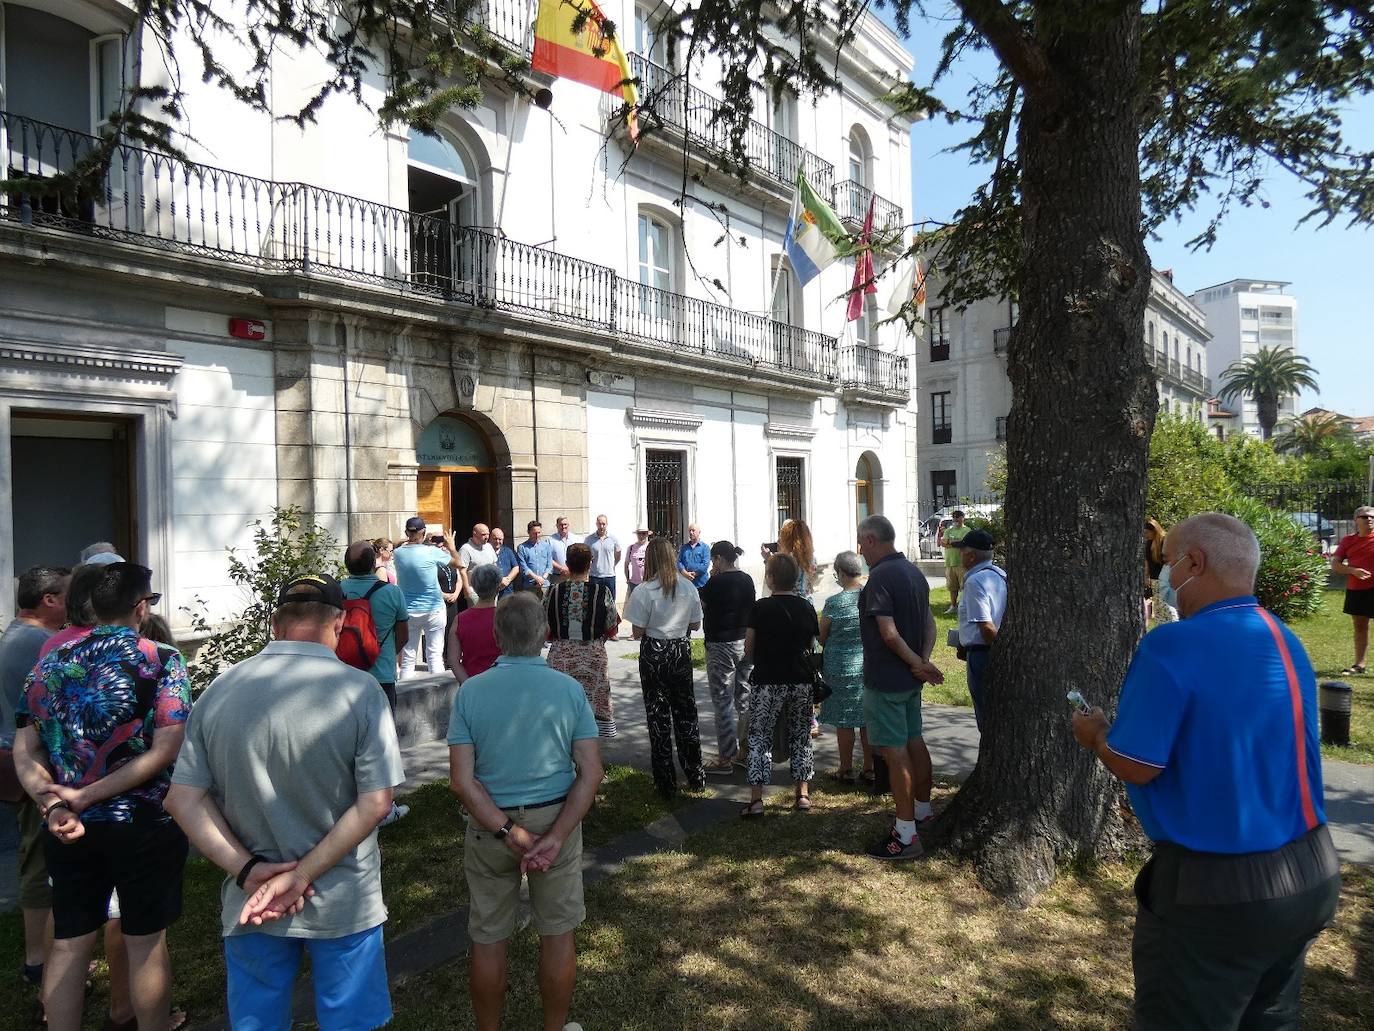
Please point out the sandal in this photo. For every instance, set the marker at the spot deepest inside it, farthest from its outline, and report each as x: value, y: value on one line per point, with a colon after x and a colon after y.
x: 802, y: 804
x: 869, y: 777
x: 843, y: 776
x: 752, y: 811
x: 1357, y: 671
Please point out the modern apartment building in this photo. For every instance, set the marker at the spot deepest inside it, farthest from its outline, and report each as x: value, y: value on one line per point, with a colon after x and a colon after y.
x: 1245, y: 315
x: 963, y: 384
x: 523, y: 317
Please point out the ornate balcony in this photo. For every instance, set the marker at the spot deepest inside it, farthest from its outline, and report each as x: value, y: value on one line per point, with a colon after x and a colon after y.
x: 1172, y: 372
x: 153, y: 201
x: 1001, y: 340
x: 851, y: 204
x: 687, y: 112
x: 866, y: 371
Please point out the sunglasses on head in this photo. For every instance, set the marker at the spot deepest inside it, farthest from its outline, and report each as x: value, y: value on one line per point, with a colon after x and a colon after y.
x: 151, y: 599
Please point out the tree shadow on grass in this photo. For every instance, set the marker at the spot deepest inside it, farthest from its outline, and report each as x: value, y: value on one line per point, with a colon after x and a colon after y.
x: 782, y: 922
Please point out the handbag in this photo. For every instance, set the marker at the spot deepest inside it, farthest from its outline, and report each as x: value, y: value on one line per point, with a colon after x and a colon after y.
x: 820, y: 690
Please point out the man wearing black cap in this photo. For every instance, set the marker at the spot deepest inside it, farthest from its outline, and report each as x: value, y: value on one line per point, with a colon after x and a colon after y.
x: 417, y: 565
x: 982, y: 605
x: 288, y: 766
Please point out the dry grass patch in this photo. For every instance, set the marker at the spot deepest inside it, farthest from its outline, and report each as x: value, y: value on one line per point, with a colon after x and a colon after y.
x: 780, y: 923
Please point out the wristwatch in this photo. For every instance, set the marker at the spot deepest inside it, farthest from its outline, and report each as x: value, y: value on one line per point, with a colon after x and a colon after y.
x: 505, y: 829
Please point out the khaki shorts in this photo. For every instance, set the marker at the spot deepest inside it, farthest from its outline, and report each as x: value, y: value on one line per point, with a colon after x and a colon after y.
x: 954, y: 576
x: 34, y: 891
x: 493, y: 874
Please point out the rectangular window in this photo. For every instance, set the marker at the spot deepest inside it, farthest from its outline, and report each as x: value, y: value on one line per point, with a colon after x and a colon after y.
x: 664, y: 491
x: 941, y: 427
x: 939, y: 335
x: 942, y: 488
x: 791, y: 474
x: 1249, y: 313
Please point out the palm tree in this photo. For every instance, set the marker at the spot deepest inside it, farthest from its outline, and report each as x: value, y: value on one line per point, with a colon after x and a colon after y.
x: 1267, y: 376
x: 1315, y: 434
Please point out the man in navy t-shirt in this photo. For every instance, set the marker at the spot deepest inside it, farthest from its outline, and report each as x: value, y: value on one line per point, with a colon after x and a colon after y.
x: 1216, y: 739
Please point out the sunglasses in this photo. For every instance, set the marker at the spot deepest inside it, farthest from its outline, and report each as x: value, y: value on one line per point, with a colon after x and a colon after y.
x: 151, y: 599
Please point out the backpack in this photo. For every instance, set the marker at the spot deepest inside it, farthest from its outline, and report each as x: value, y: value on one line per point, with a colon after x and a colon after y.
x: 358, y: 644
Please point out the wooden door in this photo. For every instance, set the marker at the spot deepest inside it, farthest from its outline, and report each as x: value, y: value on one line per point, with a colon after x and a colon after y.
x: 433, y: 499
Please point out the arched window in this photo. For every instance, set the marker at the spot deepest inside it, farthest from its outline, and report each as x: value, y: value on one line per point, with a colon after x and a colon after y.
x: 1151, y: 329
x: 860, y: 157
x: 867, y: 485
x: 657, y: 267
x: 442, y: 179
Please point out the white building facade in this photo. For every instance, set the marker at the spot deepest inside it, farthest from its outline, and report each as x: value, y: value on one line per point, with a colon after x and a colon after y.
x: 1245, y: 315
x: 509, y: 322
x: 966, y: 395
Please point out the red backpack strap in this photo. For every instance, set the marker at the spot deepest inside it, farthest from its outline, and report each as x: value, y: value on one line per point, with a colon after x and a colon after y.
x: 1309, y: 811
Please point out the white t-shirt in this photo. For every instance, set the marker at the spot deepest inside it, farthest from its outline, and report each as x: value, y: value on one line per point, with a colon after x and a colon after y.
x: 473, y: 557
x: 663, y: 617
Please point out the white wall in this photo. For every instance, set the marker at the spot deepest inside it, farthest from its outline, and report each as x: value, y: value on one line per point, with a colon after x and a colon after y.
x: 224, y: 468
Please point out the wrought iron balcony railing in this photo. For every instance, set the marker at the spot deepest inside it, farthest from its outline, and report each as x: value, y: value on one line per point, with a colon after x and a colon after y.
x: 1000, y: 428
x: 942, y: 434
x: 510, y: 21
x: 1001, y: 339
x: 1170, y: 370
x: 865, y: 367
x: 156, y: 201
x: 694, y: 113
x: 851, y: 204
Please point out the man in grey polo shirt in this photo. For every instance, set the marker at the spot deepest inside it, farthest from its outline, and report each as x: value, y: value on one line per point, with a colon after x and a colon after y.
x: 897, y: 629
x: 289, y: 763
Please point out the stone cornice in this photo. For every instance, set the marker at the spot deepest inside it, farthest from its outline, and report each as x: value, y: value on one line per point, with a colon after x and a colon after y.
x: 664, y: 420
x: 159, y: 364
x: 795, y: 433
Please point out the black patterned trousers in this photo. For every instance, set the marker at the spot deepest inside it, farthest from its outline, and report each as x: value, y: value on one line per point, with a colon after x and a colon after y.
x: 670, y: 709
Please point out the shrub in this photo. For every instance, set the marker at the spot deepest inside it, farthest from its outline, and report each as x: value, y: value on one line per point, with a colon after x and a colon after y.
x: 1187, y: 471
x: 1292, y: 572
x: 285, y: 548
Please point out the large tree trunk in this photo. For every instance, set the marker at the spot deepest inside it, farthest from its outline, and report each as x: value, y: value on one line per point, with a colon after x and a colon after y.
x: 1267, y: 412
x: 1082, y: 412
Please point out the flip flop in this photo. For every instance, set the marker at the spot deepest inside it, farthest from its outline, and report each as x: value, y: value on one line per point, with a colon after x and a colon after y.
x: 842, y: 776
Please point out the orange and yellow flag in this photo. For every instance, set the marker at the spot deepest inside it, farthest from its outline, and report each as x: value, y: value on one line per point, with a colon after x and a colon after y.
x: 586, y: 56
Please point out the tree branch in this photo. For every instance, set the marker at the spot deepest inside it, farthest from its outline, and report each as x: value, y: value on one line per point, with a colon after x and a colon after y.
x: 1020, y: 54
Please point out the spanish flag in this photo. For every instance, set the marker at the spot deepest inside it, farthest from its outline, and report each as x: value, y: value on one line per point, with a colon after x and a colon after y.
x: 586, y: 56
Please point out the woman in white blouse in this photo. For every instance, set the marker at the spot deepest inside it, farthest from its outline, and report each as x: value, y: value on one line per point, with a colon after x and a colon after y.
x: 664, y: 610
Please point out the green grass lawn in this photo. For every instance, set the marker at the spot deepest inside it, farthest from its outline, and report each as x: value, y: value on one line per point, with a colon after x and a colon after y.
x: 422, y: 878
x: 698, y: 653
x: 780, y: 923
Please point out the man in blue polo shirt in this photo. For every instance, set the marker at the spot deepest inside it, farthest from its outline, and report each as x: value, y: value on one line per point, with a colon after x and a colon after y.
x: 1216, y: 739
x: 897, y: 630
x: 525, y: 763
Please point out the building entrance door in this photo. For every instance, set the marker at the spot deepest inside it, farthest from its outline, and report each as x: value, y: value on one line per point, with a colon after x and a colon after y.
x: 74, y: 483
x: 457, y: 479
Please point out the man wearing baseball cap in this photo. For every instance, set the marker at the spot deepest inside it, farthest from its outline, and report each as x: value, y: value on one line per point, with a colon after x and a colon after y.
x: 417, y: 565
x: 982, y: 605
x: 288, y: 765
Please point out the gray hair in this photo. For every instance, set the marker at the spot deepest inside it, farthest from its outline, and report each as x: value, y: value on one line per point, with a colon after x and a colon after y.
x: 486, y: 580
x: 847, y: 564
x: 878, y: 527
x: 1227, y: 542
x: 521, y: 625
x: 1364, y: 510
x: 98, y: 548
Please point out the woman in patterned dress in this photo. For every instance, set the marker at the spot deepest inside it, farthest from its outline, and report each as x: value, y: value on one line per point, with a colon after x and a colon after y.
x: 582, y: 617
x: 844, y: 667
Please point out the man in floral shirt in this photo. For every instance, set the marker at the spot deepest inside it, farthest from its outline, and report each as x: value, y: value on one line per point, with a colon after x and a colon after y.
x: 101, y: 721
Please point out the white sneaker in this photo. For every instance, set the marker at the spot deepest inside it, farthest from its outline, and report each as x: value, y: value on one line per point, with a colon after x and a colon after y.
x: 398, y: 812
x: 574, y: 1026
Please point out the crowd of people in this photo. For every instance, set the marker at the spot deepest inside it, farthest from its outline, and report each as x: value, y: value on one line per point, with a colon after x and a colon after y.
x: 285, y: 767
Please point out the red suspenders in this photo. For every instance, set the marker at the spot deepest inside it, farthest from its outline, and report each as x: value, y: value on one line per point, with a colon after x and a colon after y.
x: 1309, y: 812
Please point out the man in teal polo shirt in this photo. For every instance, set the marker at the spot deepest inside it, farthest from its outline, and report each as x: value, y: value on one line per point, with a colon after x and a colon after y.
x: 1216, y: 740
x: 525, y: 763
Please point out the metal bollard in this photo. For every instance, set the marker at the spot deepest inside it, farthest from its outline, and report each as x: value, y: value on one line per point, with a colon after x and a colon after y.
x: 1334, y: 705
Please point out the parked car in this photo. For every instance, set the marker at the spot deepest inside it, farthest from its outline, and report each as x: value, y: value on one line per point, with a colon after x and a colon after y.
x: 1318, y: 526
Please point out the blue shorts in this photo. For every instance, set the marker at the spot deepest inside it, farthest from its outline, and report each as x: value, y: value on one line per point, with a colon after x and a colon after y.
x: 349, y: 973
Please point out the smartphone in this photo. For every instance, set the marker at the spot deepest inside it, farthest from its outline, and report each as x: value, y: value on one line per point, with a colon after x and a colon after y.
x: 773, y: 547
x: 1079, y: 701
